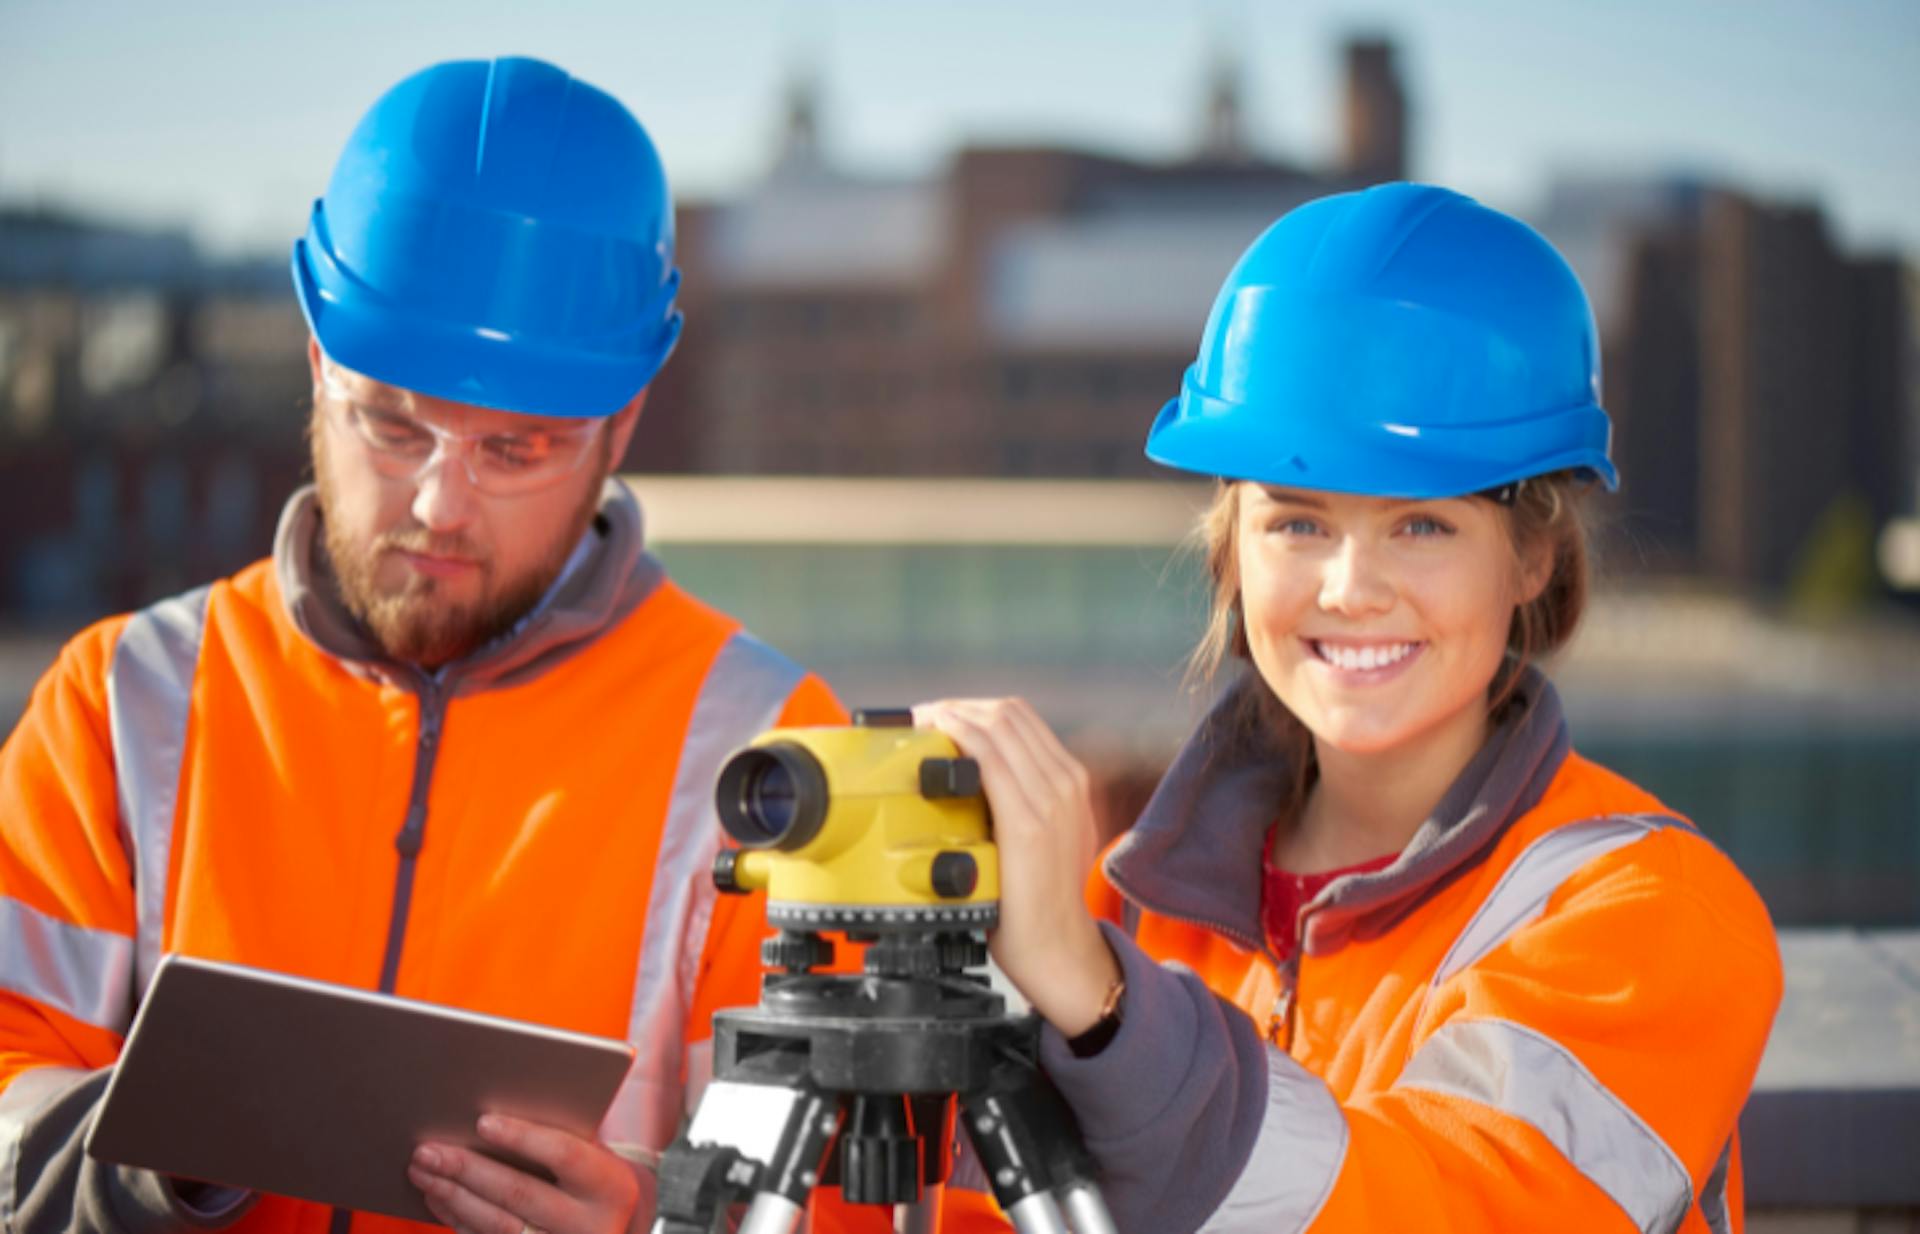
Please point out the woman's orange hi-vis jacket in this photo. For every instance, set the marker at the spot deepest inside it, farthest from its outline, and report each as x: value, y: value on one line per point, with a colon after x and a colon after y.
x: 235, y: 774
x: 1545, y: 1014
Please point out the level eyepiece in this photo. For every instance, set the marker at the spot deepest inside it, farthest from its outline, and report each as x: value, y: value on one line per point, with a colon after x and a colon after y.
x: 772, y: 796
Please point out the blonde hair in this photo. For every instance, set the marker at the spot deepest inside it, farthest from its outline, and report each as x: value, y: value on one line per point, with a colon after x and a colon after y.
x: 1547, y: 516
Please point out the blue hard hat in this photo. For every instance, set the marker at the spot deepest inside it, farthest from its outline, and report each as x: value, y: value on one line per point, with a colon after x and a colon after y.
x: 1404, y: 341
x: 496, y: 233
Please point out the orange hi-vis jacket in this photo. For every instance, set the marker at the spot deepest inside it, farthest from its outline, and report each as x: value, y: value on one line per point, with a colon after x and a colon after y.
x: 1545, y: 1014
x: 236, y: 774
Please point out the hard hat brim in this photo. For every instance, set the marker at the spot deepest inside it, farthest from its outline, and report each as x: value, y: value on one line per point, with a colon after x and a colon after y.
x: 476, y: 366
x: 1196, y: 433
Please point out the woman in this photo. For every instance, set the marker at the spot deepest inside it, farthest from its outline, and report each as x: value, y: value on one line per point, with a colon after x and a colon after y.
x: 1436, y: 971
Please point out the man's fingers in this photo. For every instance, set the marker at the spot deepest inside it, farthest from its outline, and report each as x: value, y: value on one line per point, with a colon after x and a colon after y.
x: 484, y: 1196
x: 459, y: 1209
x: 440, y: 1211
x: 581, y: 1169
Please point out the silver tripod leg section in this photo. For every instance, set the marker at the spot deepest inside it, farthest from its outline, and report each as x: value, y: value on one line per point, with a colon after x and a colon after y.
x: 772, y: 1213
x: 920, y: 1217
x: 1039, y: 1213
x: 1085, y: 1208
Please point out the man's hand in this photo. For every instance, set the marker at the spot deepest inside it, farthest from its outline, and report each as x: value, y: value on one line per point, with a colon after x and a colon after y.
x: 596, y: 1192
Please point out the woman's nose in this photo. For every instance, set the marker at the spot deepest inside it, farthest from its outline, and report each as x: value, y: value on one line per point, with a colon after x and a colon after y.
x: 1353, y: 581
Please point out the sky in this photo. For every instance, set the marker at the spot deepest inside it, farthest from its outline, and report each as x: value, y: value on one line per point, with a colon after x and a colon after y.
x: 224, y: 117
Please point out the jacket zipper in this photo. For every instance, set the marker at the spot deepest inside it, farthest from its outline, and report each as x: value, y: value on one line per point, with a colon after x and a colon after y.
x: 433, y: 704
x: 1287, y: 975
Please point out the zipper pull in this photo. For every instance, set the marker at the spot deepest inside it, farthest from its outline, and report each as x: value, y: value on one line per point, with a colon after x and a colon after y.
x: 412, y: 834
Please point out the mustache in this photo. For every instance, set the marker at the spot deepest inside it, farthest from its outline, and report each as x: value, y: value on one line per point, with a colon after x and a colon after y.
x: 420, y: 540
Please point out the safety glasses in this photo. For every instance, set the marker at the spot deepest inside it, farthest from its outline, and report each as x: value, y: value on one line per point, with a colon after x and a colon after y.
x: 401, y: 445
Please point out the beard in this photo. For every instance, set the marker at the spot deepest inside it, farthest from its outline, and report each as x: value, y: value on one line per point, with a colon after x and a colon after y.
x: 418, y: 623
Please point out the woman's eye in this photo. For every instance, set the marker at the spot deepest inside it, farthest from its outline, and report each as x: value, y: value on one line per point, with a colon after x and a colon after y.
x: 1423, y: 525
x: 1293, y: 527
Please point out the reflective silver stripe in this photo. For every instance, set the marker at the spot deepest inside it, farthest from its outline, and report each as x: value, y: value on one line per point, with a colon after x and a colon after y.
x: 745, y: 690
x: 1296, y: 1157
x: 1529, y: 1076
x: 149, y: 691
x: 79, y: 971
x: 23, y: 1098
x: 1713, y: 1196
x: 1522, y: 892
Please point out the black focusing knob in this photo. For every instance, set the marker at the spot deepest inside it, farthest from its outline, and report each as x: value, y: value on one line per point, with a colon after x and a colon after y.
x: 883, y: 717
x: 954, y: 875
x: 949, y: 777
x: 723, y: 871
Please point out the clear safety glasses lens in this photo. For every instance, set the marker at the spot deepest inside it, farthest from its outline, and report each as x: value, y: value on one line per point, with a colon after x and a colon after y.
x: 507, y: 464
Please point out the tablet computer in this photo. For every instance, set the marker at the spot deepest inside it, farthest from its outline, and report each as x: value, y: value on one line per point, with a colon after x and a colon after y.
x: 256, y: 1079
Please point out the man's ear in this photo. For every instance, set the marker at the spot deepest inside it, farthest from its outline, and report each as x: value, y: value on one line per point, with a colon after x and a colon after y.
x: 621, y: 426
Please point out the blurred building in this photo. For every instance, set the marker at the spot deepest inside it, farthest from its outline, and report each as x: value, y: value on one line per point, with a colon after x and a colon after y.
x: 150, y: 414
x: 1761, y: 382
x: 1024, y: 312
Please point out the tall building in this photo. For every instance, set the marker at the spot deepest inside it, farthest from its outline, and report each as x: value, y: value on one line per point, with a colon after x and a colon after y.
x: 1801, y: 386
x: 1375, y: 135
x: 1760, y: 380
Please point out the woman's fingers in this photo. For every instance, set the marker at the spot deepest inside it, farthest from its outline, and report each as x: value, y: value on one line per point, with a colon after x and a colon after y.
x: 1010, y: 735
x: 1010, y: 788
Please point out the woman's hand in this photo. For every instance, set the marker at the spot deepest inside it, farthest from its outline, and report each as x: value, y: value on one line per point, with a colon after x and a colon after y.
x: 595, y: 1191
x: 1047, y: 943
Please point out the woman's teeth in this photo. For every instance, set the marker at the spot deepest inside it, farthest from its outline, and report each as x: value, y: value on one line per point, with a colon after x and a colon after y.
x: 1361, y: 659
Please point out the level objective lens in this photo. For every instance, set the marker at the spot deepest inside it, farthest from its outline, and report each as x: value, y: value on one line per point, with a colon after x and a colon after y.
x: 772, y: 796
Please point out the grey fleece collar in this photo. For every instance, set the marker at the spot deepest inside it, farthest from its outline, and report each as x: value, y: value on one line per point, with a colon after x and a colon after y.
x: 1195, y: 854
x: 617, y: 574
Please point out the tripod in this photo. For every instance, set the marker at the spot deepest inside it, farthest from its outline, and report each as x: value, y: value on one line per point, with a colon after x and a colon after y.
x: 854, y: 1079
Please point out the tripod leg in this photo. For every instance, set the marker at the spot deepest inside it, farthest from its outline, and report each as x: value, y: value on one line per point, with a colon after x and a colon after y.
x: 1015, y: 1164
x: 772, y: 1213
x: 922, y: 1216
x: 758, y: 1139
x: 1085, y: 1208
x: 1030, y: 1147
x: 1039, y: 1213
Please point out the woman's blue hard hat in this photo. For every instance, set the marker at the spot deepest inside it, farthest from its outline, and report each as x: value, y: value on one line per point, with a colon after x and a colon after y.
x: 496, y: 233
x: 1402, y: 341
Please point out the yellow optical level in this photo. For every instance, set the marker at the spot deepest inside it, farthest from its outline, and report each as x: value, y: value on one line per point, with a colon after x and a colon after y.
x: 874, y: 828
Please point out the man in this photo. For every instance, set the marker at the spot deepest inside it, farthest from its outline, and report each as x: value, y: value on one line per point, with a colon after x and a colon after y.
x: 456, y: 739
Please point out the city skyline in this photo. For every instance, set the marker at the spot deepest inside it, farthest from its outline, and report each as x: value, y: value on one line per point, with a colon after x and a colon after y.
x: 183, y: 117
